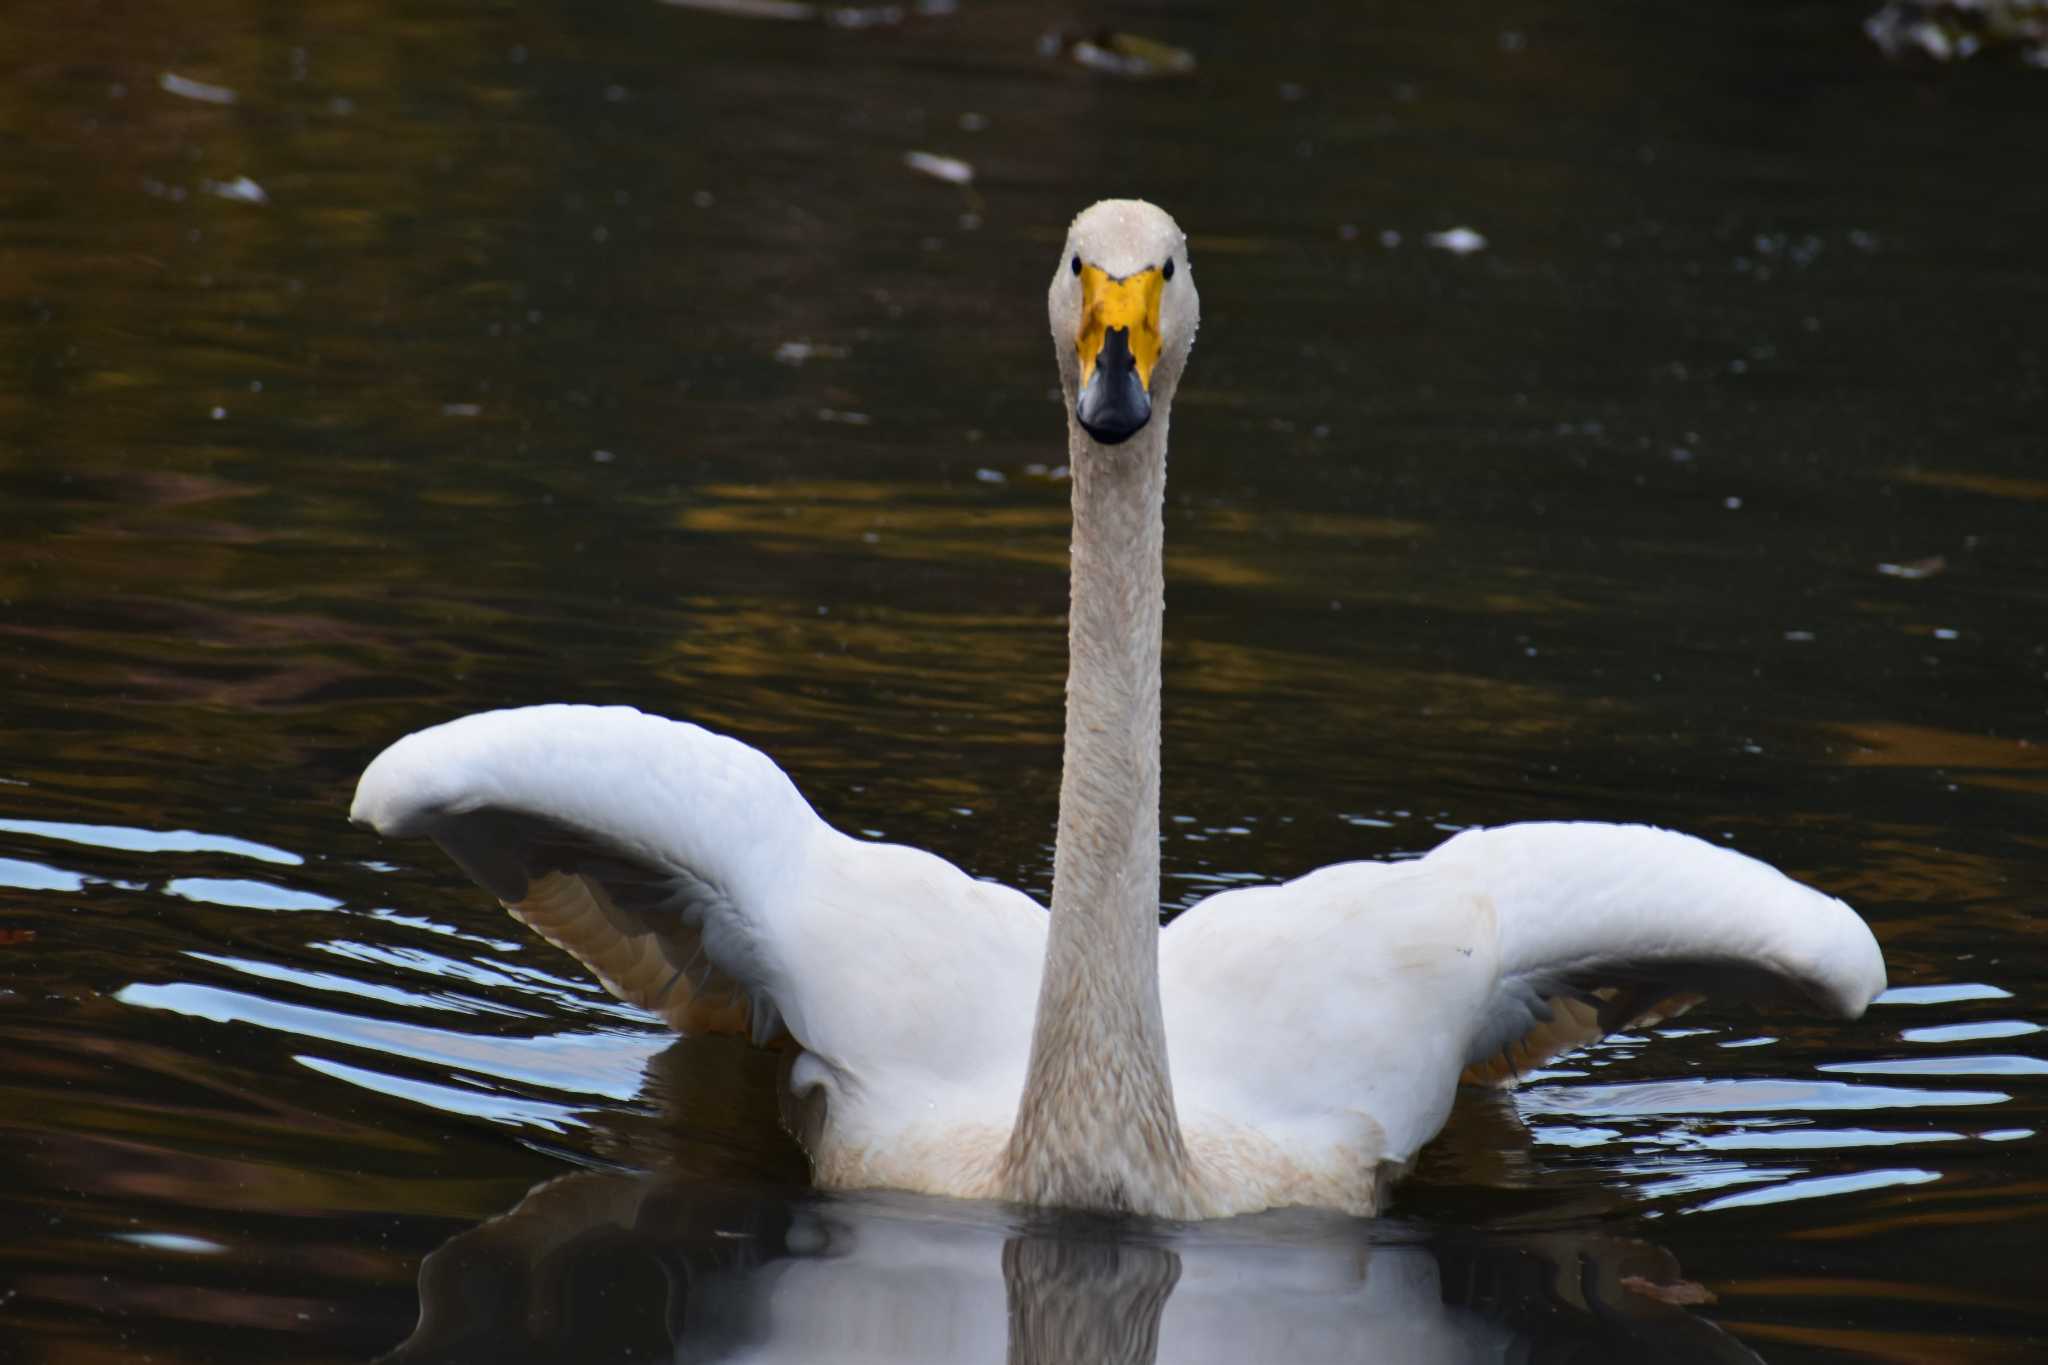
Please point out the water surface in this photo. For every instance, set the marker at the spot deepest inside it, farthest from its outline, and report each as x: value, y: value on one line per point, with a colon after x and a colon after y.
x: 364, y: 365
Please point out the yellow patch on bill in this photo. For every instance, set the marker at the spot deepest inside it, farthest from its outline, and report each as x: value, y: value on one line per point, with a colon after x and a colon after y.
x: 1133, y: 303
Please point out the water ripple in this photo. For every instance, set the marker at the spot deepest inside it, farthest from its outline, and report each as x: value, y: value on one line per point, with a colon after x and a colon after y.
x: 244, y: 894
x: 607, y: 1065
x: 27, y: 876
x: 1820, y: 1187
x: 508, y: 1109
x: 130, y: 840
x: 1739, y: 1096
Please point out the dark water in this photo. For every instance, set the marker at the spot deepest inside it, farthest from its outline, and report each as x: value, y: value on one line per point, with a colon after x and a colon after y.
x: 366, y: 364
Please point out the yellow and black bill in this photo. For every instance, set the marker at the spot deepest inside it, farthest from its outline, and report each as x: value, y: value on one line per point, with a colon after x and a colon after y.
x: 1118, y: 346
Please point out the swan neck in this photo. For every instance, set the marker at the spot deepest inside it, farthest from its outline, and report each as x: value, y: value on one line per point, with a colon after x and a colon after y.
x: 1096, y: 1125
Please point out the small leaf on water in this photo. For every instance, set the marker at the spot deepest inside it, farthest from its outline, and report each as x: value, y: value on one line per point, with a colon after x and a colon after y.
x: 1681, y: 1292
x: 1118, y: 54
x: 950, y: 169
x: 1915, y: 568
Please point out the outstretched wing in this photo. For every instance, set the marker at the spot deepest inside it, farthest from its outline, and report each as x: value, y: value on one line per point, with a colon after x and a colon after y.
x: 685, y: 870
x: 1607, y: 927
x: 1348, y: 1005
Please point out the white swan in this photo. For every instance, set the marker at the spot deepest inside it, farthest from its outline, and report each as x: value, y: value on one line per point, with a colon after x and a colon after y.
x: 955, y: 1039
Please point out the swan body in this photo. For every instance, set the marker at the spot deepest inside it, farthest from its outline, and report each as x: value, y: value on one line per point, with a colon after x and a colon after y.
x: 1278, y: 1045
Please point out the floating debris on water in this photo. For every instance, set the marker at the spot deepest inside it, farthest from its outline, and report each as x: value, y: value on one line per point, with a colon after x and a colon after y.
x: 801, y: 12
x: 795, y: 353
x: 241, y: 189
x: 1684, y: 1292
x: 787, y: 11
x: 186, y: 88
x: 1957, y: 30
x: 864, y: 16
x: 950, y: 169
x: 1118, y: 54
x: 1915, y: 568
x: 1459, y: 241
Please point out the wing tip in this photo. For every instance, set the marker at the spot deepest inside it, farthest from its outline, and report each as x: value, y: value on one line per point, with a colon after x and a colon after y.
x: 396, y: 796
x: 429, y: 773
x: 1866, y: 977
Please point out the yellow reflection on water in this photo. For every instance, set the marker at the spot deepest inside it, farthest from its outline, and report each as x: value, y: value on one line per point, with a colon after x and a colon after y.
x: 1991, y: 485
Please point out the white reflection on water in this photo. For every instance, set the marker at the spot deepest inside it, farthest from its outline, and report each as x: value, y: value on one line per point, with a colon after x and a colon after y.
x: 27, y: 876
x: 734, y: 1274
x: 1816, y: 1139
x: 367, y: 990
x: 603, y: 1064
x: 171, y: 1241
x: 1966, y: 1033
x: 131, y: 840
x: 1820, y: 1187
x: 1946, y: 1066
x: 243, y: 894
x: 1945, y: 994
x: 1737, y: 1096
x: 517, y: 1110
x: 390, y: 916
x: 581, y: 997
x: 1701, y: 1178
x: 456, y: 969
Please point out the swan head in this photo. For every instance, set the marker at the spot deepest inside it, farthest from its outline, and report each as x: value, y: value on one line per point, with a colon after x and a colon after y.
x: 1124, y: 312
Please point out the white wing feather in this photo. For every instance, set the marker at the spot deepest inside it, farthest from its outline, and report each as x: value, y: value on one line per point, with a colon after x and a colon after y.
x: 1338, y: 1012
x: 685, y: 869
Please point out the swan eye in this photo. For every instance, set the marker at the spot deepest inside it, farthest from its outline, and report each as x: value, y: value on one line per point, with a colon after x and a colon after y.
x: 1075, y: 264
x: 1168, y: 270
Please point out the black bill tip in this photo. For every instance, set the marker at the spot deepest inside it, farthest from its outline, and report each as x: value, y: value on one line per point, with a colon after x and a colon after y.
x: 1114, y: 405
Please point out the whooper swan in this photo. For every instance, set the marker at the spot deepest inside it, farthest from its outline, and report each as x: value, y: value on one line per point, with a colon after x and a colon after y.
x: 1277, y: 1045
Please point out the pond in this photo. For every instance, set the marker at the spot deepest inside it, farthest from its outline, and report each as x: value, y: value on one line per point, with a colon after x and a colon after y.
x: 1613, y: 412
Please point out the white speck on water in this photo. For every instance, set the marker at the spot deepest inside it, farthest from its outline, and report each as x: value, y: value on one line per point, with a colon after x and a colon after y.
x: 602, y: 456
x: 1732, y: 504
x: 991, y: 476
x: 1944, y: 633
x: 1799, y: 637
x: 950, y: 169
x: 1459, y: 241
x: 1389, y: 238
x: 218, y: 414
x: 241, y: 190
x: 171, y: 1241
x: 171, y: 83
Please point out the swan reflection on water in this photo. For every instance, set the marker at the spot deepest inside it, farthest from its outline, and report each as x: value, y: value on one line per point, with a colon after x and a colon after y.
x: 663, y: 1267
